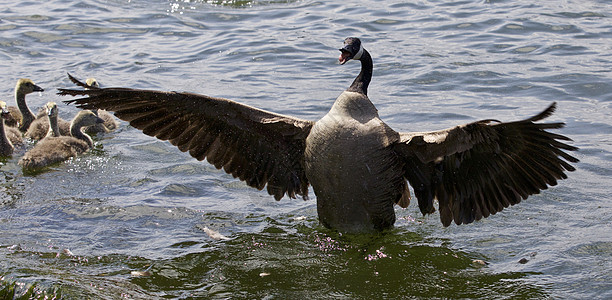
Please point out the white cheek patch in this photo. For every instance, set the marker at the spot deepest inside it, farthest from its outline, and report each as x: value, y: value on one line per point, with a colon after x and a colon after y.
x: 359, y: 53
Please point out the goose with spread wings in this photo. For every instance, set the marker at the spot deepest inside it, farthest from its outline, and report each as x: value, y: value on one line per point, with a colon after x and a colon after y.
x: 358, y: 167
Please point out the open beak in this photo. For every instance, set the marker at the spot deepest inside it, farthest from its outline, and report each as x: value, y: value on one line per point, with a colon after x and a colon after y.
x: 344, y: 56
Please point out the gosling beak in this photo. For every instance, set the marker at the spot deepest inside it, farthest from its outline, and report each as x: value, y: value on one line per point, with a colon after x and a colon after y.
x: 38, y: 89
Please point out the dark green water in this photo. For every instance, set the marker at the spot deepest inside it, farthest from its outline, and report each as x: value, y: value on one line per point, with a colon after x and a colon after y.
x: 128, y: 219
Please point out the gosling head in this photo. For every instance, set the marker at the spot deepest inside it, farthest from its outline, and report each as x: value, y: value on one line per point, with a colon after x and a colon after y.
x: 352, y: 50
x: 92, y: 82
x: 26, y: 86
x: 4, y: 112
x: 87, y: 118
x: 51, y: 109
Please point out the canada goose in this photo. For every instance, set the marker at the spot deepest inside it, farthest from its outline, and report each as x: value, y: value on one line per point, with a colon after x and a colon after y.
x: 9, y: 136
x: 53, y: 149
x: 357, y: 165
x: 110, y: 123
x: 21, y: 114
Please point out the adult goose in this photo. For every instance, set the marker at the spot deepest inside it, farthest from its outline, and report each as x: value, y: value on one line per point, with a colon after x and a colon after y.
x: 357, y: 165
x: 55, y: 148
x: 22, y: 116
x: 9, y: 136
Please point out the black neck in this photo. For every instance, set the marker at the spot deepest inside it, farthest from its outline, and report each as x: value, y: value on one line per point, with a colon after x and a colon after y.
x: 360, y: 85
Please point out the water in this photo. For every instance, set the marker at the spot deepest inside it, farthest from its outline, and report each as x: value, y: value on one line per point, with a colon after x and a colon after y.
x: 127, y: 220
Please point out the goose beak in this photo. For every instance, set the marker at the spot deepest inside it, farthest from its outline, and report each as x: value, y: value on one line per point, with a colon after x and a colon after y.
x: 99, y: 120
x: 344, y: 56
x: 38, y: 89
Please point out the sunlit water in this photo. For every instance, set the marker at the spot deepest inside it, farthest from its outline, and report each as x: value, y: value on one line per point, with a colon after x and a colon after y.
x: 129, y: 219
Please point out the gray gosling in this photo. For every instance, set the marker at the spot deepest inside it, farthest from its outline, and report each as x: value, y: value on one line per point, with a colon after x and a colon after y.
x: 51, y: 112
x: 110, y: 123
x: 53, y: 148
x: 9, y: 136
x: 40, y: 126
x: 21, y: 115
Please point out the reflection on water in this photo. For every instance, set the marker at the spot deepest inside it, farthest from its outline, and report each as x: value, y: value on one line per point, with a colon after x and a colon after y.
x: 128, y: 219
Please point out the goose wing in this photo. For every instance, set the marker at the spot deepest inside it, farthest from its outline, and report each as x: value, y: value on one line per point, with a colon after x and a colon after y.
x: 259, y: 147
x: 478, y: 169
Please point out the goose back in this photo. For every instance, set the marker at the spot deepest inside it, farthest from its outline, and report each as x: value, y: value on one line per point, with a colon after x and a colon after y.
x: 352, y: 139
x: 52, y: 150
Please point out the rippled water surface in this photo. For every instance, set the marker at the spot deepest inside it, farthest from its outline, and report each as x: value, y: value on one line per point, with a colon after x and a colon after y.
x: 130, y: 218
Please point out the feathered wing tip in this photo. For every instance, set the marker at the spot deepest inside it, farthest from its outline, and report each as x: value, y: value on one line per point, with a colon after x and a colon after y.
x: 545, y: 114
x: 80, y: 83
x: 479, y: 169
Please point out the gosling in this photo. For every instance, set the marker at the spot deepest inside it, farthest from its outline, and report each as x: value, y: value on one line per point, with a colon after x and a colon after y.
x: 40, y: 127
x: 110, y: 123
x: 9, y: 136
x: 22, y: 116
x: 54, y: 149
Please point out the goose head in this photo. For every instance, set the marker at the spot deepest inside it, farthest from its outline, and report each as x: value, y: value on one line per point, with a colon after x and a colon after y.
x: 51, y: 109
x: 4, y: 112
x: 352, y: 50
x: 26, y: 86
x: 92, y: 82
x: 86, y: 118
x: 82, y: 119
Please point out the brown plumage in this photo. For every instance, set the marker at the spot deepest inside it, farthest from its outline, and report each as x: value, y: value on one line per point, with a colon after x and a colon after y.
x: 40, y: 126
x: 54, y: 149
x: 9, y: 136
x: 21, y: 115
x: 110, y: 123
x: 357, y: 165
x: 13, y: 117
x: 51, y: 114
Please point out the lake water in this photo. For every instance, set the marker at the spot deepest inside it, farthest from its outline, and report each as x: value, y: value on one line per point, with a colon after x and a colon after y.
x: 128, y: 219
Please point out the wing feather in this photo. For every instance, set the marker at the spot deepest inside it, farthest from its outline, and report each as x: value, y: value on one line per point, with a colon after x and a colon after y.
x: 259, y: 147
x: 478, y: 169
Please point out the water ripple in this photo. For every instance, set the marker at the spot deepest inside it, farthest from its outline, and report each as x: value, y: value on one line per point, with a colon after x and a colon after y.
x: 131, y: 212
